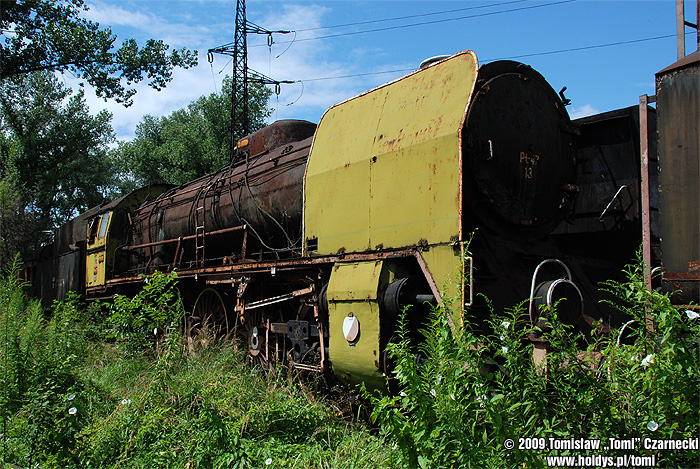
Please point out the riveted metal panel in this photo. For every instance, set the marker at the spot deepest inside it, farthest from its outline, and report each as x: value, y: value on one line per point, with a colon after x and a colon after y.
x: 445, y: 265
x: 380, y: 159
x: 352, y: 291
x: 355, y: 281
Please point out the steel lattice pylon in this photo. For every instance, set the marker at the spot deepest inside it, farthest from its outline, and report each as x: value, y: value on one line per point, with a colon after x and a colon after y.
x: 239, y: 108
x: 238, y: 50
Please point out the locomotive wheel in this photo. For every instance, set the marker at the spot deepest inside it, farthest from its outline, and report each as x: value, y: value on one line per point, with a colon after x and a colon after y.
x: 208, y: 318
x: 260, y: 351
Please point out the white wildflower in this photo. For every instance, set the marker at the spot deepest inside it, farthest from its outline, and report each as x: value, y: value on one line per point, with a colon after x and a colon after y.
x: 402, y: 394
x: 652, y: 426
x: 504, y: 349
x: 71, y: 397
x: 126, y: 401
x: 72, y: 411
x: 692, y: 314
x: 433, y: 392
x: 268, y: 461
x: 505, y: 324
x: 452, y: 396
x: 648, y: 360
x: 439, y: 379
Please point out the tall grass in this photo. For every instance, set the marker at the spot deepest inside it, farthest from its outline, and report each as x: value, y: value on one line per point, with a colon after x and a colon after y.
x: 38, y: 404
x: 90, y: 387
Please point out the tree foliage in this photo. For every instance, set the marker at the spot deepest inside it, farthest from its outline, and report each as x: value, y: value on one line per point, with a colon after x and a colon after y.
x: 19, y: 228
x: 190, y: 142
x: 50, y: 35
x: 53, y: 150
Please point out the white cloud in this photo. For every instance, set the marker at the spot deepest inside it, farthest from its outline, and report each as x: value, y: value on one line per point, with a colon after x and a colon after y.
x: 185, y: 87
x: 302, y: 60
x: 114, y: 15
x: 183, y: 33
x: 308, y: 60
x: 583, y: 111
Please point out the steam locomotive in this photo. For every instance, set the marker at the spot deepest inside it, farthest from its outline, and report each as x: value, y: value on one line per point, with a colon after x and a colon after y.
x: 315, y: 238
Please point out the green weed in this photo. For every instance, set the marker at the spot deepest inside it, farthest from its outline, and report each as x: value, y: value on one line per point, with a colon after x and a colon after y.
x: 473, y: 394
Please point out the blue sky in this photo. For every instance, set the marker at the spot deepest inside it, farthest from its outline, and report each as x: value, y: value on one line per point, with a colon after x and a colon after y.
x: 599, y: 76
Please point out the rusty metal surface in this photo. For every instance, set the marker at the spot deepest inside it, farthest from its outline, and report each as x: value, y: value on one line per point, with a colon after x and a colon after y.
x: 678, y: 107
x: 645, y: 188
x: 608, y: 157
x: 233, y: 272
x: 385, y: 168
x: 59, y: 267
x: 249, y: 209
x: 274, y: 135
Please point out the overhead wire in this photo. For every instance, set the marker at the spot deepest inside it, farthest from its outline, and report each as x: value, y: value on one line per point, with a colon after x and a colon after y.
x: 445, y: 20
x: 534, y: 54
x: 406, y: 70
x: 576, y: 49
x: 421, y: 15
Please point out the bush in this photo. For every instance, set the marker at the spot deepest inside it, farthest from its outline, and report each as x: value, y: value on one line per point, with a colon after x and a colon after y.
x: 139, y: 321
x: 475, y: 394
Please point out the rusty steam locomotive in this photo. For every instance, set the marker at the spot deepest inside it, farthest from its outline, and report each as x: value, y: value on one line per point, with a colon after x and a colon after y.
x: 315, y: 238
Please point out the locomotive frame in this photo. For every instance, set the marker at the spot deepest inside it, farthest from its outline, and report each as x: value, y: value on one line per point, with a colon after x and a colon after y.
x: 315, y: 238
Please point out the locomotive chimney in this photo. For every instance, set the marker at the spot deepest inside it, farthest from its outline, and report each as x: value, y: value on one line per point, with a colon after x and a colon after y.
x: 428, y: 62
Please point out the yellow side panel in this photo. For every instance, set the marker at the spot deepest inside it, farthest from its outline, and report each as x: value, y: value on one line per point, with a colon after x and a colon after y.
x: 95, y: 271
x: 95, y: 261
x: 445, y: 265
x: 354, y: 281
x: 385, y: 166
x: 352, y: 290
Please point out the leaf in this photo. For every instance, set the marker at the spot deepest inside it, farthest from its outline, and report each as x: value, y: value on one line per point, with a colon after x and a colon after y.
x: 423, y: 461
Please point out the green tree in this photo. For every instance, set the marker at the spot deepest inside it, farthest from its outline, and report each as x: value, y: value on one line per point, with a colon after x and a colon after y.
x: 53, y: 150
x: 189, y: 143
x: 19, y: 228
x: 50, y: 35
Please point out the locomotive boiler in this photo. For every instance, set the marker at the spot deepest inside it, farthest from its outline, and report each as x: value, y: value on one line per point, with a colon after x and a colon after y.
x: 254, y: 204
x: 315, y: 238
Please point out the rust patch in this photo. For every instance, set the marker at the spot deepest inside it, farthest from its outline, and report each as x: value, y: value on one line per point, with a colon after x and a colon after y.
x: 682, y: 276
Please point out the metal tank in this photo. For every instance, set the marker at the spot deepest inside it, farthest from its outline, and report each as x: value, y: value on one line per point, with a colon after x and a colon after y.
x: 678, y: 109
x: 250, y: 209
